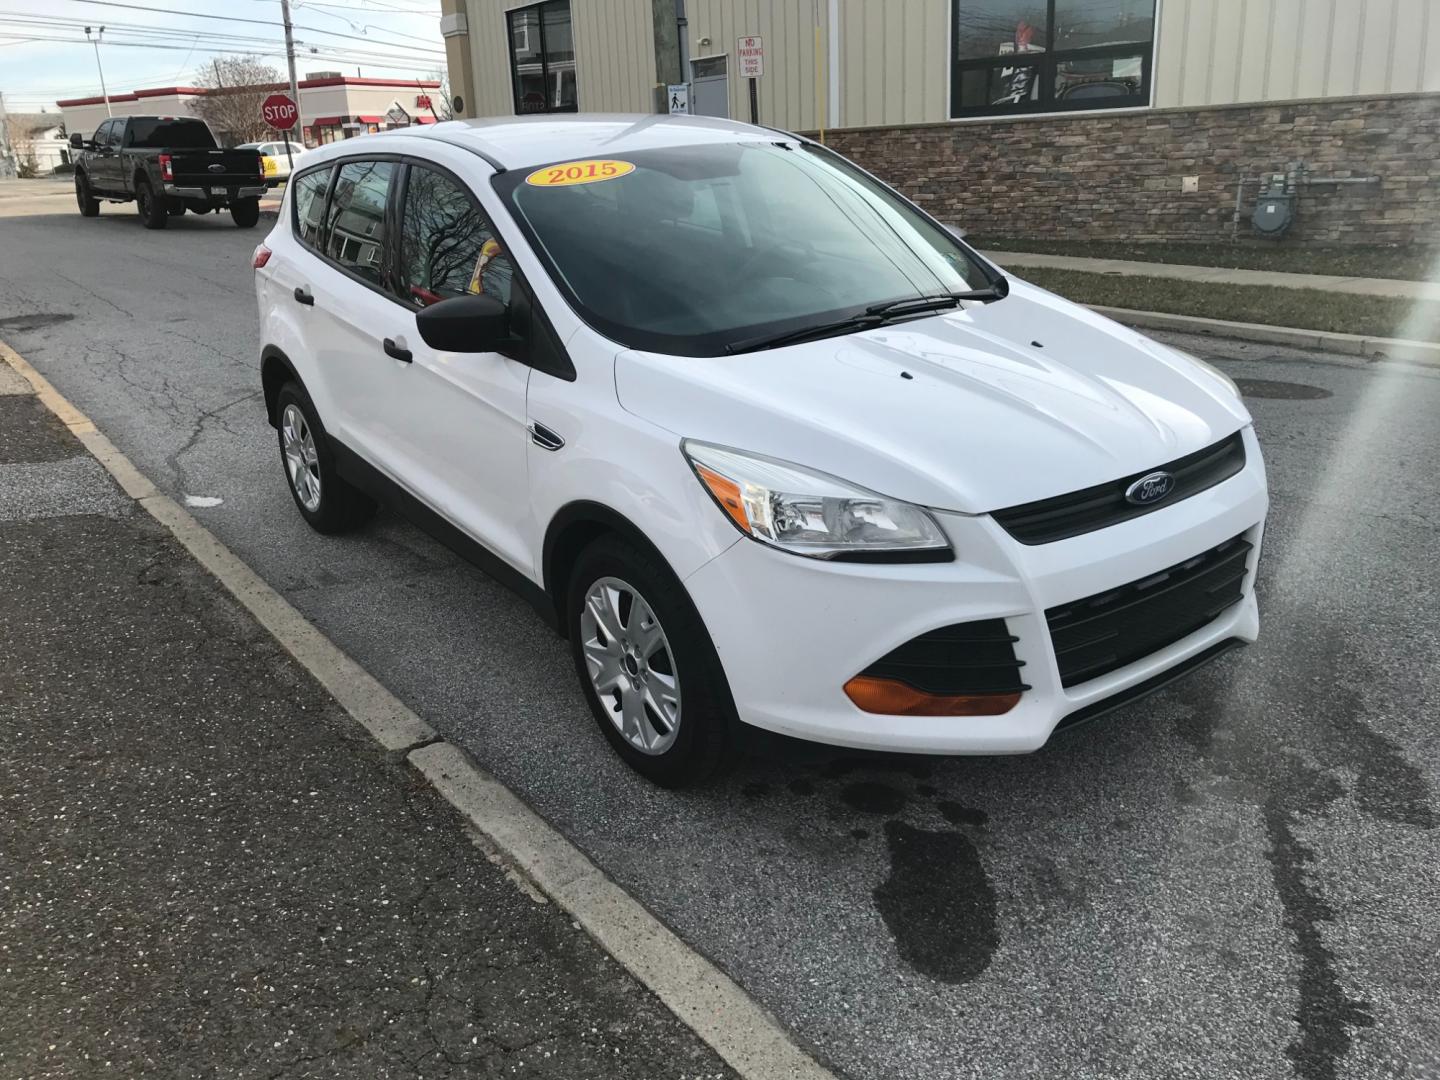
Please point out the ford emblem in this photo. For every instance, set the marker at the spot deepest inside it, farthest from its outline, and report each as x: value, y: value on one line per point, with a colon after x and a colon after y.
x: 216, y: 168
x: 1150, y: 488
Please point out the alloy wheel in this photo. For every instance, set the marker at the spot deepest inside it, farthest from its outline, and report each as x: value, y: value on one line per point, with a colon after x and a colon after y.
x: 630, y: 664
x: 302, y: 463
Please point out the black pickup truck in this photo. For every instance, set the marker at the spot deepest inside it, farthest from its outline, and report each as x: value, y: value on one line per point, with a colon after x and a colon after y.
x: 167, y: 165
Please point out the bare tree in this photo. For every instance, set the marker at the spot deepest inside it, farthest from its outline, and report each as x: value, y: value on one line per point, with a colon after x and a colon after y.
x: 238, y: 85
x: 440, y: 104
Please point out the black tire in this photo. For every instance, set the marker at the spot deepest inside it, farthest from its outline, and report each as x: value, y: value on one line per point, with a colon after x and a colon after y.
x: 84, y: 197
x: 337, y: 506
x: 245, y: 212
x: 702, y: 740
x: 151, y: 206
x: 176, y: 210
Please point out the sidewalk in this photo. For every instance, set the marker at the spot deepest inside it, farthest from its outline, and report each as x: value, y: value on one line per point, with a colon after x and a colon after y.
x: 207, y: 868
x: 1409, y: 290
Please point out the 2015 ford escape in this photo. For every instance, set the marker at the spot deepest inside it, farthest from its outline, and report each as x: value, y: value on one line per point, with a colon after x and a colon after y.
x: 764, y: 441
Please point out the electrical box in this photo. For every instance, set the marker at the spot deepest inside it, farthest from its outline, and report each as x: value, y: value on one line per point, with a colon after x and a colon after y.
x: 1189, y: 185
x: 1275, y: 207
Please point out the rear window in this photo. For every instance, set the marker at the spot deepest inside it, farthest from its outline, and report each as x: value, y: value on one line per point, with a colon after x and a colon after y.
x: 173, y: 133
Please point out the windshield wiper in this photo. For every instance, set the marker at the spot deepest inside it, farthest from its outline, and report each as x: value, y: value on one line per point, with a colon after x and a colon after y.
x: 875, y: 315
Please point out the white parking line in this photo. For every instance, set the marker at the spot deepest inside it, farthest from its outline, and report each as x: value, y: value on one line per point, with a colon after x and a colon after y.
x: 702, y: 996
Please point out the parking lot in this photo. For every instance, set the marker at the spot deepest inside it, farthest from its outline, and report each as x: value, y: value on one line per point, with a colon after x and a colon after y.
x: 1235, y: 877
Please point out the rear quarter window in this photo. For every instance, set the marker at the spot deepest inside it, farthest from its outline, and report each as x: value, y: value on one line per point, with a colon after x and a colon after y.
x: 310, y: 190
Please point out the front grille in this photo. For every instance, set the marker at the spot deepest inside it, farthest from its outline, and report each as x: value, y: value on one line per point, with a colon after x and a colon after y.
x: 1111, y: 629
x: 967, y: 658
x: 1103, y: 505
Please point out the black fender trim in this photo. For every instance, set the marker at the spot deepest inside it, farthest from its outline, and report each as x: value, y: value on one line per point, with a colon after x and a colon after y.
x: 275, y: 371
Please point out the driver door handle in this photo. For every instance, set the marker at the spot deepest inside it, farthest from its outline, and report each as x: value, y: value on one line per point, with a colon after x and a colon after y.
x: 304, y: 296
x: 391, y: 349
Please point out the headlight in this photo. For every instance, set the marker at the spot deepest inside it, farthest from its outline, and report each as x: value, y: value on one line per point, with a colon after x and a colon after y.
x: 1212, y: 369
x: 812, y: 513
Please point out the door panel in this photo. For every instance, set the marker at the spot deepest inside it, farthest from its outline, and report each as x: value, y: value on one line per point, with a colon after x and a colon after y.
x: 462, y: 415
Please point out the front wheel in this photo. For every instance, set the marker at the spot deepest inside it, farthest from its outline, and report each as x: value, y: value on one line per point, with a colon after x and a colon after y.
x: 151, y: 207
x: 245, y: 213
x: 84, y: 197
x: 646, y: 664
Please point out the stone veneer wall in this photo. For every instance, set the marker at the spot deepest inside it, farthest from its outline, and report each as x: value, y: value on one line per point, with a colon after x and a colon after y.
x: 1118, y: 175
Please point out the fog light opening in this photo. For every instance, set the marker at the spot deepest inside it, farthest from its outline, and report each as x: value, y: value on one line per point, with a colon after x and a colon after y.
x: 894, y: 698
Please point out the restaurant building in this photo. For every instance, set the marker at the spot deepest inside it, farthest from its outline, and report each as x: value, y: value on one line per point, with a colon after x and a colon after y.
x: 332, y: 106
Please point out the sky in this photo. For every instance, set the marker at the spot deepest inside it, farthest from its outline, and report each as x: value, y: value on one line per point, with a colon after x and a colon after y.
x: 44, y: 55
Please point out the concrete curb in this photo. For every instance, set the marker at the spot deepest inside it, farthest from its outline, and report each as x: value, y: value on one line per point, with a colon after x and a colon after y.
x: 703, y: 997
x: 1420, y: 352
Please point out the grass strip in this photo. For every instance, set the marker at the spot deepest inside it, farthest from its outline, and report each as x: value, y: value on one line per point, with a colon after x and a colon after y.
x: 1310, y: 309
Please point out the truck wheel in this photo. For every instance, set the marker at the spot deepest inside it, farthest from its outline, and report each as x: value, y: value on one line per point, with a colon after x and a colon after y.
x: 89, y: 205
x: 151, y: 207
x: 245, y: 212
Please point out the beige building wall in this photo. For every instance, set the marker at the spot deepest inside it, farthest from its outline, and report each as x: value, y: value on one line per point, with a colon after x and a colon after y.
x: 894, y: 55
x: 1219, y: 52
x: 786, y: 94
x: 614, y: 56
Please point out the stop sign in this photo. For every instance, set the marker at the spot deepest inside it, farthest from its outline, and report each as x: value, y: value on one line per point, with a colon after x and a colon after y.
x: 280, y: 112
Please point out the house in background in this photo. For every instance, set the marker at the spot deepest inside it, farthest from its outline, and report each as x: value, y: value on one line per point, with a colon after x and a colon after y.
x: 37, y: 141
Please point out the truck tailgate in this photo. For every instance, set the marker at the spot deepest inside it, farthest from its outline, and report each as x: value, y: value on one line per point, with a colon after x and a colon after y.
x: 216, y: 168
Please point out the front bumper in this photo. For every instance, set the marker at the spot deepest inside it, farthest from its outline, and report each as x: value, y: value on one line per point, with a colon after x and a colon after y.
x: 811, y: 625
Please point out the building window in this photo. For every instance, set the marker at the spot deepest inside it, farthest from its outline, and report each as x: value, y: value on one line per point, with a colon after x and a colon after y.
x: 542, y: 58
x: 1017, y: 56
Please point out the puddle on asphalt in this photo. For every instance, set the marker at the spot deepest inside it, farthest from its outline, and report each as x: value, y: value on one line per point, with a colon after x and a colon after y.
x: 35, y: 321
x: 1291, y: 391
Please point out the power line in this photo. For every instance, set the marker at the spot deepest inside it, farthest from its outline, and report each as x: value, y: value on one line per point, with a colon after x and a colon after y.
x: 237, y: 18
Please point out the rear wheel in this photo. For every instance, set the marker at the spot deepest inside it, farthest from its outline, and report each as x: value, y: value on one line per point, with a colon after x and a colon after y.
x: 646, y: 664
x: 245, y: 212
x: 325, y: 501
x: 151, y: 206
x: 89, y: 205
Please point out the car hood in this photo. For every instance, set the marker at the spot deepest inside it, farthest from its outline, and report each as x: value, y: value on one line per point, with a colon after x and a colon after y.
x: 974, y: 410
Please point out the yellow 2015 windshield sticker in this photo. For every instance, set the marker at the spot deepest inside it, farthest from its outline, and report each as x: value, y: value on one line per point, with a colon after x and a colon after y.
x: 578, y: 172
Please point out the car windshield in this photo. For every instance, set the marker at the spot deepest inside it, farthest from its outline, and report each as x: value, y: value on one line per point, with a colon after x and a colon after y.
x: 169, y: 134
x: 692, y: 249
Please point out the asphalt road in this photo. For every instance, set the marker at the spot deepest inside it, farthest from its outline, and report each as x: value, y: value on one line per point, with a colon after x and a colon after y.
x: 1235, y: 878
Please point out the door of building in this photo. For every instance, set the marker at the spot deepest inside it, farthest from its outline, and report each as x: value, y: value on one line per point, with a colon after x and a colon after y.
x: 710, y: 87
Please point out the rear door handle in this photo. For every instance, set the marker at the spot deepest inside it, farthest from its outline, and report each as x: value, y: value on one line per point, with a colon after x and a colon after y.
x: 391, y: 349
x: 303, y: 296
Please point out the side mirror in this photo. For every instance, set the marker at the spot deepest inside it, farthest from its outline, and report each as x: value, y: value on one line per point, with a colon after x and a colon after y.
x: 467, y: 324
x: 77, y: 141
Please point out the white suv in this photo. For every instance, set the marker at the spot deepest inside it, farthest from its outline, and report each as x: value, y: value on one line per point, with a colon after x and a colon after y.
x: 764, y: 441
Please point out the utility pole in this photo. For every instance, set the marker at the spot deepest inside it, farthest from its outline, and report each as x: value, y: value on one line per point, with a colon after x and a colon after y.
x: 99, y: 67
x: 6, y: 169
x: 294, y: 86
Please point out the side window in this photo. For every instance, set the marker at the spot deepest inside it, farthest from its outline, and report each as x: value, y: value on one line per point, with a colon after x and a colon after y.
x: 103, y: 134
x: 447, y: 247
x: 355, y: 223
x: 310, y: 205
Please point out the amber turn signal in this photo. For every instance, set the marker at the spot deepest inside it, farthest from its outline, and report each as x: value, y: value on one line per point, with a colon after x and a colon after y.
x: 896, y: 699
